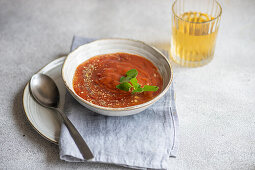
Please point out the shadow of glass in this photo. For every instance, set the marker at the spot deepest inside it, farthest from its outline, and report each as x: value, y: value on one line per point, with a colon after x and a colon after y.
x: 166, y: 47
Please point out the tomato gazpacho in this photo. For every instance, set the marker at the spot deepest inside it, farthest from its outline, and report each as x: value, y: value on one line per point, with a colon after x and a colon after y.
x: 96, y: 80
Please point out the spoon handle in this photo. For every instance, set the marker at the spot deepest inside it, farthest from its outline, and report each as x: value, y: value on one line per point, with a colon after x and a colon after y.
x: 81, y: 144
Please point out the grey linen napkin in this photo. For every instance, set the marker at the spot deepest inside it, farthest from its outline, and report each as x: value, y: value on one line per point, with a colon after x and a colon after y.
x: 144, y: 140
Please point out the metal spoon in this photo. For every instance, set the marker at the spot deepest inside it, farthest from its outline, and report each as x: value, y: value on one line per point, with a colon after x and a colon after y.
x: 46, y: 93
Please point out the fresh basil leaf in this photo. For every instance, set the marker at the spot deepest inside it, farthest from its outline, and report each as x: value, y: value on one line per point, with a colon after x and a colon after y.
x: 131, y: 77
x: 125, y: 79
x: 134, y: 82
x: 138, y: 90
x: 132, y: 73
x: 122, y: 79
x: 150, y: 88
x: 124, y: 86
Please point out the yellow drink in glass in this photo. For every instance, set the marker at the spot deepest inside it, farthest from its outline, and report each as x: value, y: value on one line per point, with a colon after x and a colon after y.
x: 193, y: 37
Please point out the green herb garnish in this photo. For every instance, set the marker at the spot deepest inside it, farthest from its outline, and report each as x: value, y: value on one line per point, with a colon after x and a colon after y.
x: 128, y: 81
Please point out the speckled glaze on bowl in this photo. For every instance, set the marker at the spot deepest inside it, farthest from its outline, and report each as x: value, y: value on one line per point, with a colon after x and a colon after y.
x: 106, y: 46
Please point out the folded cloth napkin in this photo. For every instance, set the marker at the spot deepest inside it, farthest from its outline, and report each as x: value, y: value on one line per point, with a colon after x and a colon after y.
x: 144, y: 140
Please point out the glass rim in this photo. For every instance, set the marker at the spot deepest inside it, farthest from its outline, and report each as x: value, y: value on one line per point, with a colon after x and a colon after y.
x: 218, y: 16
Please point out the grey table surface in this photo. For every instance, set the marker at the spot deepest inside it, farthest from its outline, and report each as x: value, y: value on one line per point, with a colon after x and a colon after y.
x: 215, y: 103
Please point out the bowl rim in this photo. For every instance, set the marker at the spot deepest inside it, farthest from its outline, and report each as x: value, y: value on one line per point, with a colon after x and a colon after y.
x: 152, y: 101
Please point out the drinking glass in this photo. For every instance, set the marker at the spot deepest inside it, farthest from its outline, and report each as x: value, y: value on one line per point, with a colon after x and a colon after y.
x: 195, y: 25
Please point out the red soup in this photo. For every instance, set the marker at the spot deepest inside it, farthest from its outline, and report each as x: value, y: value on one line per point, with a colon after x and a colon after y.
x: 95, y: 80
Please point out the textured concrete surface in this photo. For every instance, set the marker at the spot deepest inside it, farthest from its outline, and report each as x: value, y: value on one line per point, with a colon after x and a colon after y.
x: 215, y: 103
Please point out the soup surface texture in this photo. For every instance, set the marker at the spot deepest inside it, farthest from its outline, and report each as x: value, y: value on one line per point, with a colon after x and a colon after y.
x: 95, y: 80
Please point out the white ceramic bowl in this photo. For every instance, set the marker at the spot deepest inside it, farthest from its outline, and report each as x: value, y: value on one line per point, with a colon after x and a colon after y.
x: 106, y: 46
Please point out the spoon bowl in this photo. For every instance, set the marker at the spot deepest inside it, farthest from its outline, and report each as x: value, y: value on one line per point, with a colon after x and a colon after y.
x: 44, y: 90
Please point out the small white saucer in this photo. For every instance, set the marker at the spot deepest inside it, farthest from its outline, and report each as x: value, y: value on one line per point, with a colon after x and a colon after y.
x: 45, y: 121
